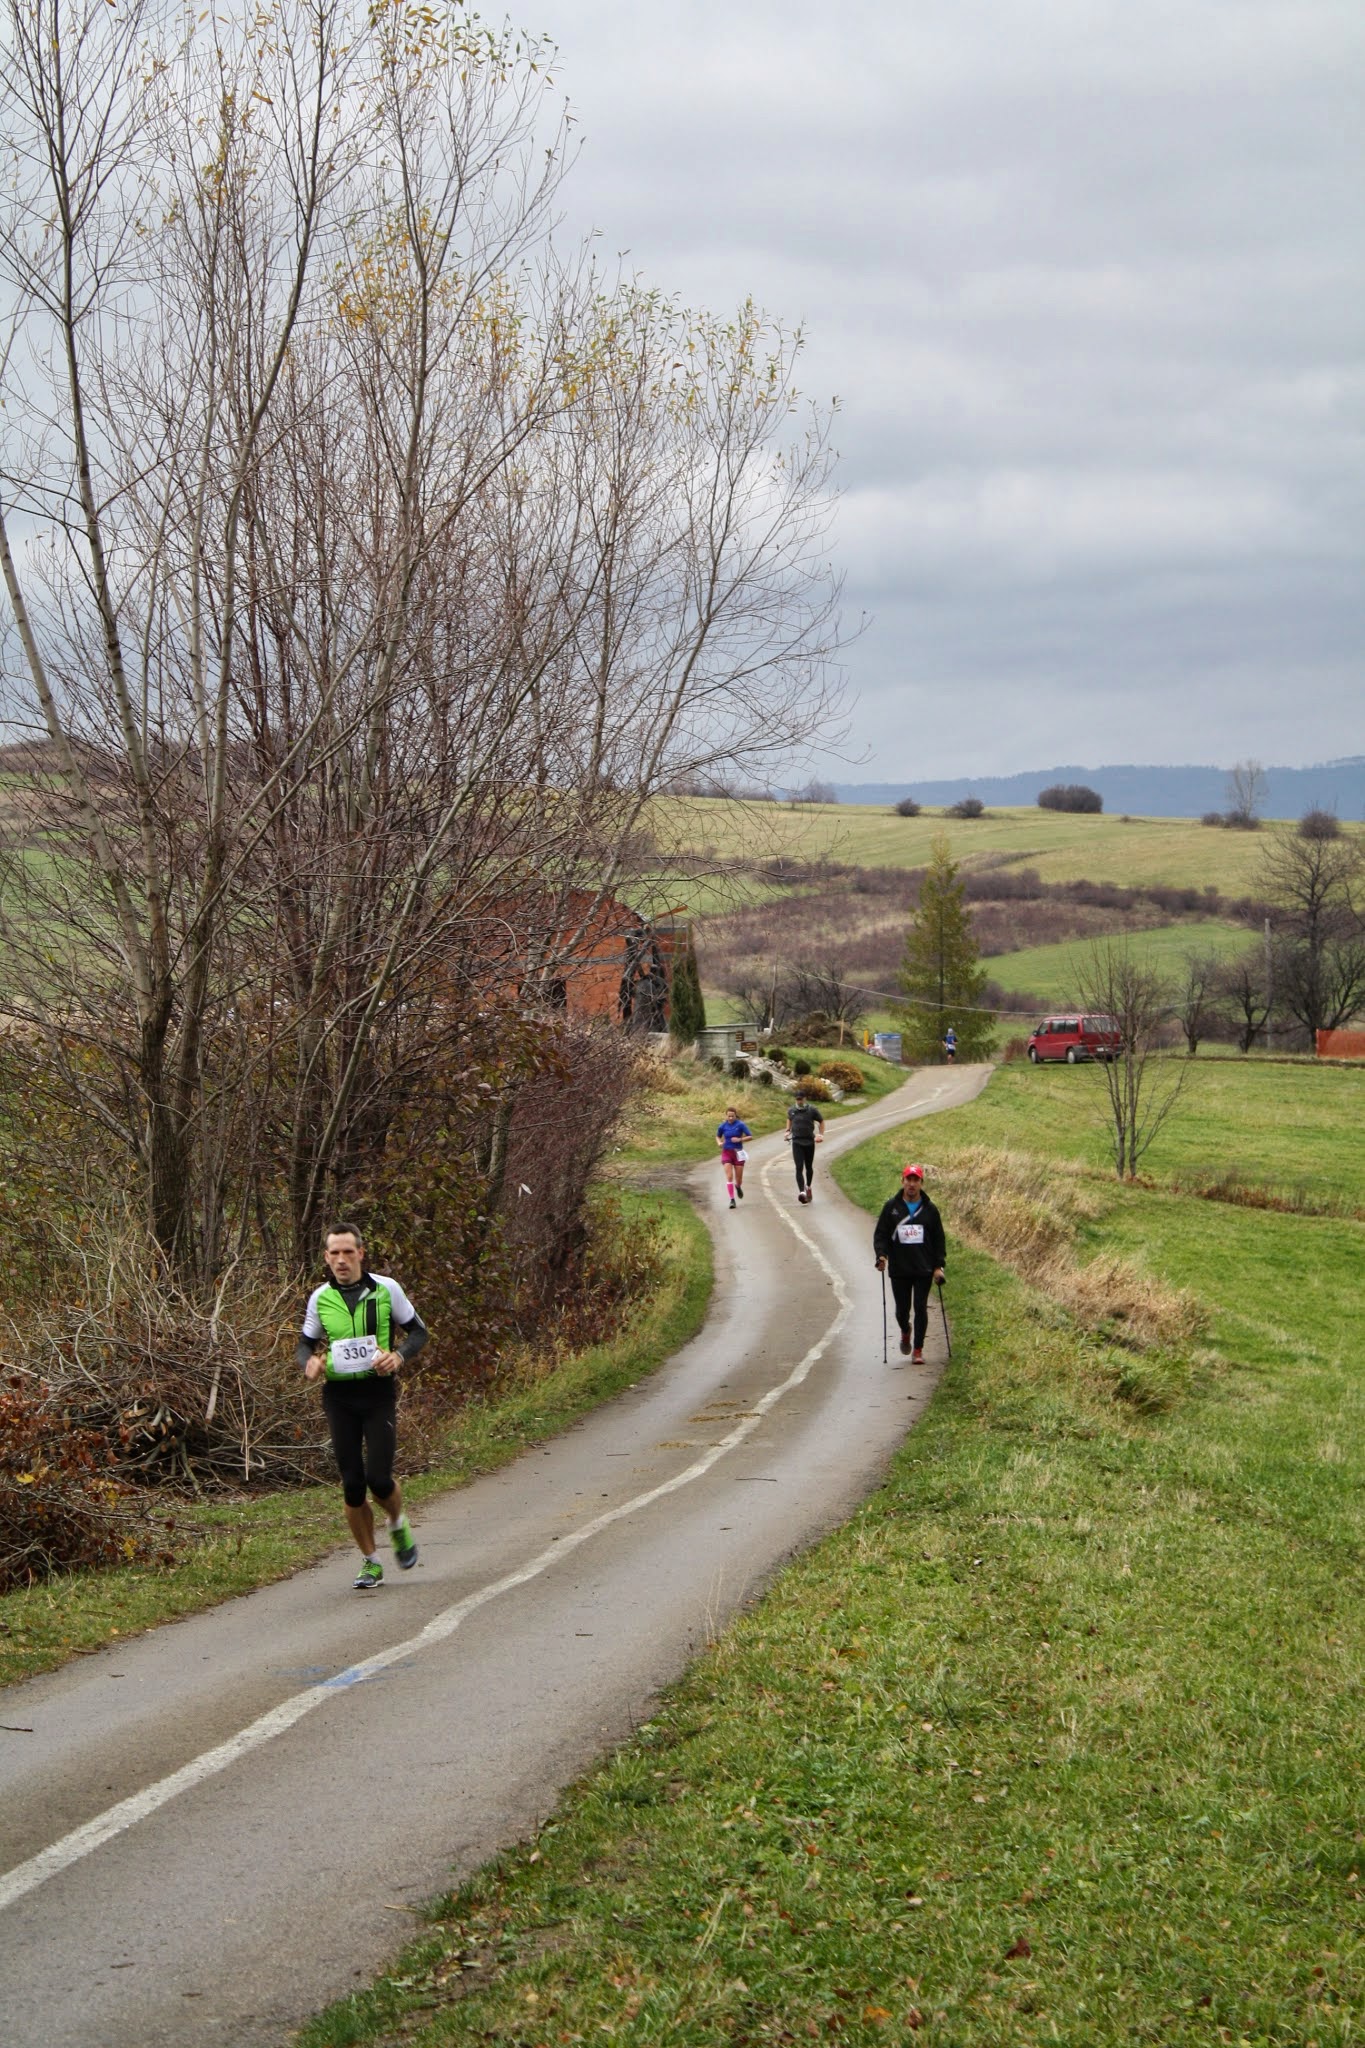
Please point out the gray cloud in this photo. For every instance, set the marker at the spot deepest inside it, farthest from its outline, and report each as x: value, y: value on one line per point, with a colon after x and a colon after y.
x: 1087, y: 280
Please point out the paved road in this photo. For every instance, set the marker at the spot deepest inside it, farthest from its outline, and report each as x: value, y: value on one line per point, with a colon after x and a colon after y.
x: 218, y: 1827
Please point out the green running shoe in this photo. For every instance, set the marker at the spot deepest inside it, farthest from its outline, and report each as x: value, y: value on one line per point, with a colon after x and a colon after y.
x: 404, y: 1549
x: 370, y: 1575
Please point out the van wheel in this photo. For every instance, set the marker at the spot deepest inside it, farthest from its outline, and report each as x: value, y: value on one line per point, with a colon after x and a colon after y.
x: 1071, y: 1056
x: 1033, y: 1054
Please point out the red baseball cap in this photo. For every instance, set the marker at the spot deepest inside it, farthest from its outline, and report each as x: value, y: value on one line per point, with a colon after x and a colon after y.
x: 912, y: 1173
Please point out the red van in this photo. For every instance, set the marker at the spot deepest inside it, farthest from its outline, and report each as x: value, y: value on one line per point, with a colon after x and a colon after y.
x: 1073, y: 1038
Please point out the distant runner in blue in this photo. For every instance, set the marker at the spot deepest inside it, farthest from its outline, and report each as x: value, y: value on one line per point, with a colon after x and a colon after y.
x: 950, y: 1044
x: 730, y: 1136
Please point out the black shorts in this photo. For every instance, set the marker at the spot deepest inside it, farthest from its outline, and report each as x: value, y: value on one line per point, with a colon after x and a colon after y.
x: 363, y: 1418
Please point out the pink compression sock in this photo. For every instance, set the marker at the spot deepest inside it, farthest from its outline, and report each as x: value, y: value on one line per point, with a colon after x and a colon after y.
x: 730, y: 1189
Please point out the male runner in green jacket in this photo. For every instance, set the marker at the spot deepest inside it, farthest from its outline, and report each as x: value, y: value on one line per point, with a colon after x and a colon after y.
x: 348, y: 1341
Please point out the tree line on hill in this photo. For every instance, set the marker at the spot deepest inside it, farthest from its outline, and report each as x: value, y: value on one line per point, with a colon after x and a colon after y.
x: 1144, y: 791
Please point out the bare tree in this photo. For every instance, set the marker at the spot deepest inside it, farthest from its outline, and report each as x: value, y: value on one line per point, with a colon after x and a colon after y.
x: 1319, y: 950
x: 1197, y: 997
x: 810, y: 988
x: 1245, y: 986
x: 1141, y: 1090
x: 1246, y: 793
x: 371, y: 573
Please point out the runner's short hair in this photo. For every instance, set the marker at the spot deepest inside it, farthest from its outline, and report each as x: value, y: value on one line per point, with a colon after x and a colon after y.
x: 345, y: 1230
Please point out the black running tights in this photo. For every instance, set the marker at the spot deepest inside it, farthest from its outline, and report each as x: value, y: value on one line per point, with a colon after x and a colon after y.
x: 803, y: 1159
x: 363, y: 1418
x: 908, y: 1288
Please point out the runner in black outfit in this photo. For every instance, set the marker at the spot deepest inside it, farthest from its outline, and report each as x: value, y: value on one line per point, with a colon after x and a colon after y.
x: 351, y: 1335
x: 806, y: 1129
x: 909, y: 1242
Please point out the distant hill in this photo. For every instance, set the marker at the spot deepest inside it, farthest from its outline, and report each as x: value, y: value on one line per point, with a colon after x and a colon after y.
x: 1147, y: 792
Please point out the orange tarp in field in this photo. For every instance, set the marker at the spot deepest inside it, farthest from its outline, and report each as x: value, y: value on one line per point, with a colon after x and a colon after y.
x: 1341, y: 1045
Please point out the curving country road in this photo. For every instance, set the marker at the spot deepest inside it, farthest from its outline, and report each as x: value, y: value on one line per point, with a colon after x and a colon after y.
x: 218, y: 1827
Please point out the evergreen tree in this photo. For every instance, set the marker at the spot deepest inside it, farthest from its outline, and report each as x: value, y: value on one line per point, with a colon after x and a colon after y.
x: 687, y: 1006
x: 940, y: 973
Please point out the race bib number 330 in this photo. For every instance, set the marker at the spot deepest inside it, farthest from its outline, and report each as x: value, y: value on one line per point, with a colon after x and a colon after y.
x: 354, y: 1354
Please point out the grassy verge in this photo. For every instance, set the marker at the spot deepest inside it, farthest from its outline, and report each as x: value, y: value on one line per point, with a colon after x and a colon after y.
x: 1058, y: 1741
x: 676, y: 1123
x: 233, y: 1548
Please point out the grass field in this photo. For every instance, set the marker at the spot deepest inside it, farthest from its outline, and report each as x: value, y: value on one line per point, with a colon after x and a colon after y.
x: 234, y: 1547
x: 1059, y: 1740
x: 1054, y: 973
x: 1062, y: 847
x: 1294, y: 1128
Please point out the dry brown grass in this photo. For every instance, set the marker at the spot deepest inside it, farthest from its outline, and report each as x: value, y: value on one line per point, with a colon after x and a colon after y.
x: 1026, y: 1212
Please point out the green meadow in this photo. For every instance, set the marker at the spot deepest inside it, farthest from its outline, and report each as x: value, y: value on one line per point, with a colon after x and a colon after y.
x: 1059, y: 1739
x: 1295, y: 1128
x: 1055, y: 973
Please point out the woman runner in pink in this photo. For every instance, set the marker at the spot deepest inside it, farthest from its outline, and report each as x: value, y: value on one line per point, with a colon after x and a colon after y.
x: 730, y: 1136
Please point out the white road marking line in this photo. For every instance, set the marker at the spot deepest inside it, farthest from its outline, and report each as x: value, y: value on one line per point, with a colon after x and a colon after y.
x: 116, y: 1820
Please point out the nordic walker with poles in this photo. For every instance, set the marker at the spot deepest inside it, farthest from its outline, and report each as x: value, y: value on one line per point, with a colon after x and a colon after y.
x: 730, y: 1136
x: 357, y: 1330
x: 806, y: 1130
x: 909, y: 1244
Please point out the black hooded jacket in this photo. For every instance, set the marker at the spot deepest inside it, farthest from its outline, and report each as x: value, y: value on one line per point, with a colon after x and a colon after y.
x: 920, y: 1260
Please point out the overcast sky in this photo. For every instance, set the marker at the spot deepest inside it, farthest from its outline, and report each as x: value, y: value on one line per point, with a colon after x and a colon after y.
x: 1087, y: 279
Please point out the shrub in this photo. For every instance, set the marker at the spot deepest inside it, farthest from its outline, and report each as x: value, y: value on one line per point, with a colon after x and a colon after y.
x: 1212, y: 818
x: 61, y: 1506
x: 777, y: 1054
x: 1014, y: 1049
x: 1319, y: 824
x: 739, y: 1070
x: 966, y: 807
x: 817, y: 1090
x: 1241, y: 821
x: 1070, y: 796
x: 764, y: 1078
x: 716, y: 1063
x: 800, y: 1066
x: 907, y: 808
x: 843, y: 1074
x: 820, y: 1029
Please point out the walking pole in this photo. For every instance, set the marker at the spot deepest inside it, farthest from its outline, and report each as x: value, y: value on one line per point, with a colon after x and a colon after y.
x: 946, y: 1338
x: 883, y: 1315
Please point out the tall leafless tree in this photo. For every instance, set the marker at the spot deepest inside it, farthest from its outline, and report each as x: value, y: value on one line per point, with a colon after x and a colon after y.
x: 1141, y: 1090
x: 370, y: 573
x: 1318, y: 882
x: 1246, y: 789
x: 1197, y: 997
x: 1245, y: 985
